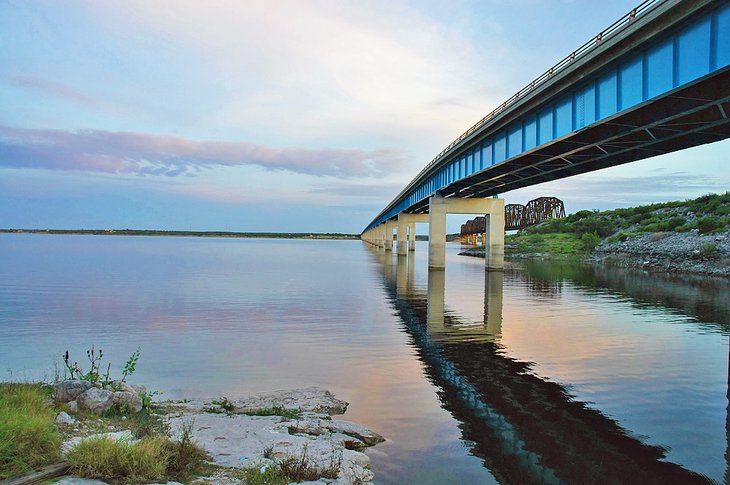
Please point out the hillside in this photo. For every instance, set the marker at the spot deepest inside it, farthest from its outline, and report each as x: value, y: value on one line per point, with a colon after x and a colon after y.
x: 689, y: 235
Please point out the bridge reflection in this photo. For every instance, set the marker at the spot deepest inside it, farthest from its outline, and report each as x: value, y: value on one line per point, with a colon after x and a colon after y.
x: 524, y: 428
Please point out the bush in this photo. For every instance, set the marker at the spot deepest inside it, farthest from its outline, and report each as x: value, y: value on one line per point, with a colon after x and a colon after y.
x: 709, y: 224
x: 589, y: 241
x: 708, y: 249
x: 684, y: 227
x: 28, y: 436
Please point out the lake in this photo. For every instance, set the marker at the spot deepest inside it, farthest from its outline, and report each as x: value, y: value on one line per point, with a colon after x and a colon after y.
x: 547, y: 373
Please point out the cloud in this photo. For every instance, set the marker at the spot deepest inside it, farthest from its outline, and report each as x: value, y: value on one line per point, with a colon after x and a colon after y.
x: 149, y: 154
x: 318, y: 69
x: 378, y: 191
x: 56, y: 89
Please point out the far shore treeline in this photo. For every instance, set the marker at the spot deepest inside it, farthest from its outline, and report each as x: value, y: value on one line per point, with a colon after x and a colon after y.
x: 138, y: 232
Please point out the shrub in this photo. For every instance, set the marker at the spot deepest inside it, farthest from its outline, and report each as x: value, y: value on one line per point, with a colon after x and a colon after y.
x: 589, y: 241
x: 186, y: 457
x: 28, y: 436
x: 708, y: 249
x: 709, y: 224
x: 684, y: 227
x: 673, y: 223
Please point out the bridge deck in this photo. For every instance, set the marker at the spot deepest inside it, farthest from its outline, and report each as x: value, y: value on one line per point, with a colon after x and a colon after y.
x: 654, y: 82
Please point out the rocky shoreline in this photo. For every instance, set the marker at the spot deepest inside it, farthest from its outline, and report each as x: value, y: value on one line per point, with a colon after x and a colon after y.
x: 673, y: 252
x: 256, y: 431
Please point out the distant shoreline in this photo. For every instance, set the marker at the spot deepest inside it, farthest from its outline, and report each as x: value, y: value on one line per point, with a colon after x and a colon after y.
x: 218, y: 234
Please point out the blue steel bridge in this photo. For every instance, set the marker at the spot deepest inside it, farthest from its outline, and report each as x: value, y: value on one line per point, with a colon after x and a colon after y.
x: 655, y: 81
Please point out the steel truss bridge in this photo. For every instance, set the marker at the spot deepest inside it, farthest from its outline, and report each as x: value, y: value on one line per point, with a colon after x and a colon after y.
x: 518, y: 216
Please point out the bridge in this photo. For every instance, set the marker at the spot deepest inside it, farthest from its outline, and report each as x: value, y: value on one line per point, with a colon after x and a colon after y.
x: 516, y: 216
x: 655, y: 81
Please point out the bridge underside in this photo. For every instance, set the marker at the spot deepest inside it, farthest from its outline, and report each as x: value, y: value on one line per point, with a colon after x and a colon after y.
x: 693, y: 115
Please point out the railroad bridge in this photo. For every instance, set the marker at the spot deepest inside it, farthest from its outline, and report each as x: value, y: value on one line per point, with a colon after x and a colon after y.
x: 516, y: 216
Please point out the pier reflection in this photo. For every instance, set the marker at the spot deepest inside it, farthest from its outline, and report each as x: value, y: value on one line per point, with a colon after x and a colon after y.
x: 524, y: 428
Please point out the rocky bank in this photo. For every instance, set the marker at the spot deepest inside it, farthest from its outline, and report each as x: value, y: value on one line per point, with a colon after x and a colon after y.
x: 688, y: 252
x: 285, y: 424
x: 675, y: 252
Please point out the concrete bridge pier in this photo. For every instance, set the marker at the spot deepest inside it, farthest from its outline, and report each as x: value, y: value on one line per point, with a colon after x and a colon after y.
x: 493, y: 209
x: 407, y: 224
x: 389, y: 226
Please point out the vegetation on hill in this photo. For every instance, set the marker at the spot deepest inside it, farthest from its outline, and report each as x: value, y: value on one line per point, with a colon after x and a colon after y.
x: 582, y: 231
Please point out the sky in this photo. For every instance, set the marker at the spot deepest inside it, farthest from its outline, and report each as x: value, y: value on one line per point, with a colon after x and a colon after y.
x: 287, y: 116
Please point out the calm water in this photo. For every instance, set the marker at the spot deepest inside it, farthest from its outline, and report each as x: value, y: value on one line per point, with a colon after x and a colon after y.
x: 545, y: 373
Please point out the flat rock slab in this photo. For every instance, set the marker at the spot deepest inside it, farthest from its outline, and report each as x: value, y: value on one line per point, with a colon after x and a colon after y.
x: 239, y: 440
x: 308, y: 399
x: 311, y: 399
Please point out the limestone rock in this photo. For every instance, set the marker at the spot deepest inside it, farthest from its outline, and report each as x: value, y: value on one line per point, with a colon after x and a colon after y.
x: 138, y: 388
x: 127, y: 387
x: 368, y: 437
x: 73, y: 406
x: 64, y: 419
x: 69, y: 390
x: 312, y: 399
x: 125, y: 435
x: 96, y: 400
x: 241, y: 441
x: 127, y: 399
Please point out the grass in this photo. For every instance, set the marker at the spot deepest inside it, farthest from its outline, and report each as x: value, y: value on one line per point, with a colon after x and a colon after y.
x: 153, y: 458
x: 105, y: 458
x: 291, y: 469
x: 28, y: 436
x: 553, y: 243
x: 272, y: 475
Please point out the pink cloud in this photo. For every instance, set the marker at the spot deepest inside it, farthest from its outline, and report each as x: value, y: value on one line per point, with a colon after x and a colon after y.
x: 148, y: 154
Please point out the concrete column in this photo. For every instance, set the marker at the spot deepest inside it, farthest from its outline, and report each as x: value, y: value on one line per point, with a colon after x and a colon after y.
x: 494, y: 243
x: 381, y: 235
x: 412, y: 236
x: 492, y: 208
x: 437, y: 233
x: 389, y: 226
x: 402, y: 235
